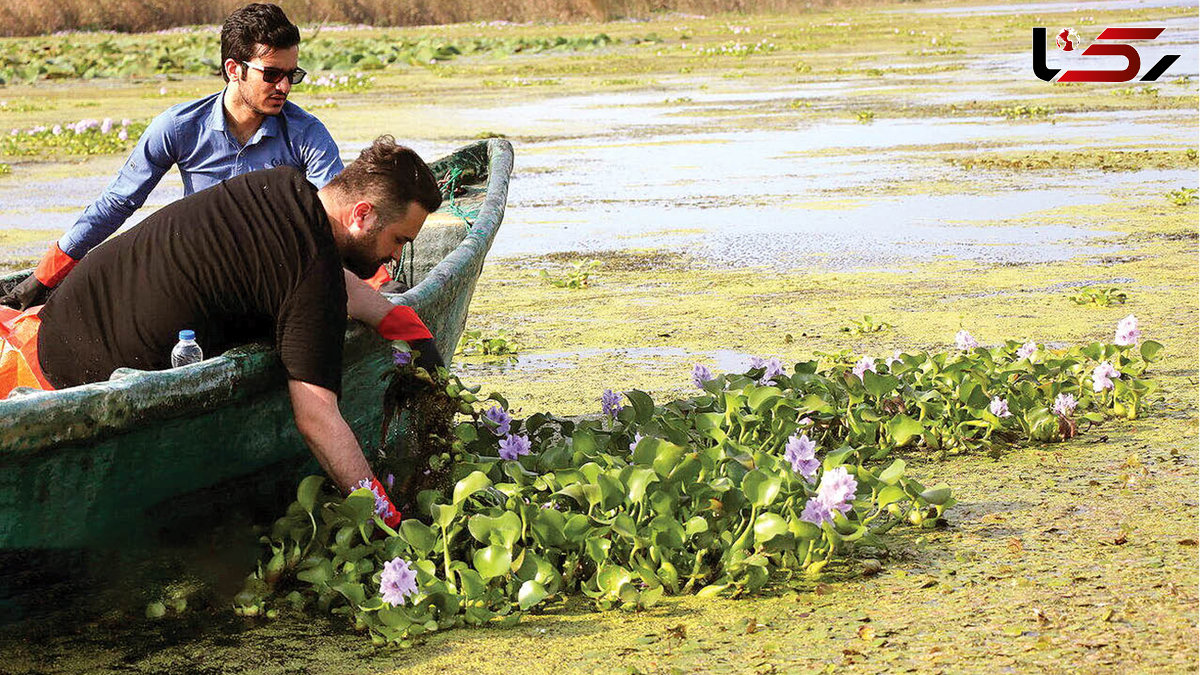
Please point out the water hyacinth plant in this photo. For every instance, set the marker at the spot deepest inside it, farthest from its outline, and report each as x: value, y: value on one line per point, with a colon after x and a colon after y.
x: 499, y: 417
x: 1099, y: 297
x: 610, y: 403
x: 84, y: 137
x: 1027, y: 350
x: 1127, y: 332
x: 1102, y: 377
x: 866, y: 325
x: 865, y: 364
x: 475, y: 343
x: 58, y: 57
x: 578, y: 277
x: 514, y: 446
x: 330, y: 82
x: 964, y: 341
x: 720, y: 493
x: 397, y: 582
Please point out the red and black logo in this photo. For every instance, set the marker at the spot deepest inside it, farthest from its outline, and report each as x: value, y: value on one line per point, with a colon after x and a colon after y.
x: 1108, y: 43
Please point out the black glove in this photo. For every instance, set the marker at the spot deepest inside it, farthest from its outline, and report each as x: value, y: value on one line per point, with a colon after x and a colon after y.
x: 430, y: 358
x: 28, y: 293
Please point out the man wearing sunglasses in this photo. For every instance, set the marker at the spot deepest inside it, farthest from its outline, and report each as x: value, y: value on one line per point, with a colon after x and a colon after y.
x: 249, y: 125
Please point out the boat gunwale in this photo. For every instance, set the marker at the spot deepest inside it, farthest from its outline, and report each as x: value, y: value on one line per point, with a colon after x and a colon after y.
x: 130, y: 399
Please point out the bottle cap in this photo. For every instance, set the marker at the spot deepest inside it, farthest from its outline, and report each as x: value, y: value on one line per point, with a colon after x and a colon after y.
x: 187, y: 335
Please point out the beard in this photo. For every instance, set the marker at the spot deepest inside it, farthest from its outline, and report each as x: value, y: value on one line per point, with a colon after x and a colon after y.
x: 257, y: 108
x: 359, y: 258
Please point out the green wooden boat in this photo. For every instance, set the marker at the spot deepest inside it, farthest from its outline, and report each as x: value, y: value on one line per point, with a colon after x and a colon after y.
x: 91, y: 464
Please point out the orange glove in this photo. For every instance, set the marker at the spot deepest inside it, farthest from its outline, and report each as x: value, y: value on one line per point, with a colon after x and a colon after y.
x: 34, y: 290
x: 54, y: 267
x: 381, y: 277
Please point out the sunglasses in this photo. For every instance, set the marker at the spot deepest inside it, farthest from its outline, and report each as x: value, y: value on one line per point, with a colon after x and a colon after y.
x: 273, y: 75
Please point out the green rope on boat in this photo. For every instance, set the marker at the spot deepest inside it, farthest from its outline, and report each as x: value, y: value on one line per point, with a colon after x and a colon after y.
x: 449, y: 187
x: 402, y: 269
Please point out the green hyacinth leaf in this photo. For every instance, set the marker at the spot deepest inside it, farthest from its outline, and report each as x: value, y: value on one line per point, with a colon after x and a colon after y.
x: 761, y: 488
x: 768, y: 526
x: 419, y: 536
x: 530, y: 594
x: 903, y: 429
x: 492, y: 561
x: 893, y: 473
x: 468, y: 486
x: 1150, y: 350
x: 308, y: 491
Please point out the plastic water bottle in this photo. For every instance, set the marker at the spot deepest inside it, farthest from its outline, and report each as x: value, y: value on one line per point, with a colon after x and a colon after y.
x: 186, y: 351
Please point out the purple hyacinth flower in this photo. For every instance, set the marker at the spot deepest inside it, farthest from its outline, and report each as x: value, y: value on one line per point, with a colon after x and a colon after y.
x: 402, y: 358
x: 700, y: 375
x: 837, y: 487
x: 610, y: 403
x: 800, y: 452
x: 1127, y: 332
x: 964, y: 341
x: 637, y: 438
x: 999, y: 407
x: 503, y: 421
x: 383, y: 508
x: 397, y: 582
x: 833, y: 495
x: 758, y: 362
x: 1064, y: 405
x: 774, y: 369
x: 513, y: 447
x: 1102, y: 376
x: 864, y: 364
x: 816, y: 512
x: 1027, y: 350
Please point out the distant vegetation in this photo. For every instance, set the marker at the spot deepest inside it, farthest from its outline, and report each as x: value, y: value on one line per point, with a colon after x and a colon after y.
x: 39, y: 17
x: 198, y: 52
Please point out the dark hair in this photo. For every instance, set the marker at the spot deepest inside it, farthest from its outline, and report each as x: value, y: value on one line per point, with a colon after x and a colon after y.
x: 253, y: 25
x: 392, y: 176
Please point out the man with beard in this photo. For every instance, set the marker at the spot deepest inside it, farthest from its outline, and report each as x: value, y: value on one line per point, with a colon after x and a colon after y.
x: 248, y: 125
x: 257, y: 257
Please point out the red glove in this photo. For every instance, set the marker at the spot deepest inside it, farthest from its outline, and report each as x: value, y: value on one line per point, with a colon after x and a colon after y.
x: 384, y: 507
x: 402, y: 323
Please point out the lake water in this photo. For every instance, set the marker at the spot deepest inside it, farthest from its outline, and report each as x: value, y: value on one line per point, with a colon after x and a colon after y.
x: 732, y: 175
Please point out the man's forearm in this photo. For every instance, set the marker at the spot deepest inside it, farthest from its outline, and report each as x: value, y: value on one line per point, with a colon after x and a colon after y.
x: 328, y: 436
x: 98, y: 222
x: 394, y: 322
x: 365, y: 303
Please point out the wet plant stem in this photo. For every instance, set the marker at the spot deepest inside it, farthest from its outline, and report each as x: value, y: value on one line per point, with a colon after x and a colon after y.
x: 446, y: 560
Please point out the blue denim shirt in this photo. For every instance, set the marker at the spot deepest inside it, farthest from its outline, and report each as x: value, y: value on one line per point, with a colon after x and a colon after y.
x: 193, y: 136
